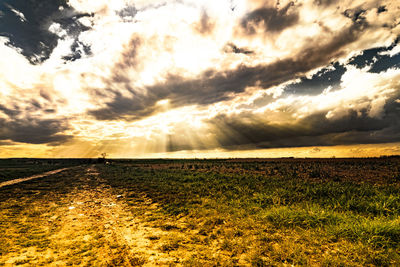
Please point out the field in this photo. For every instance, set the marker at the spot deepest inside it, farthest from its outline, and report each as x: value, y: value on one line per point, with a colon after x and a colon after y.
x: 17, y: 168
x: 233, y: 212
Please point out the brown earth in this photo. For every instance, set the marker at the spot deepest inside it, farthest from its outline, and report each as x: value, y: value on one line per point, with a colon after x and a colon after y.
x: 92, y: 226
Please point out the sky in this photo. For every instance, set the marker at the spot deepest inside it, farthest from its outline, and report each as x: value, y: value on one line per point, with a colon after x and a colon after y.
x: 199, y: 78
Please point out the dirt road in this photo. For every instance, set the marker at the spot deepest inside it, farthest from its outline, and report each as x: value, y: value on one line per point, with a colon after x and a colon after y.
x: 20, y: 180
x: 90, y: 225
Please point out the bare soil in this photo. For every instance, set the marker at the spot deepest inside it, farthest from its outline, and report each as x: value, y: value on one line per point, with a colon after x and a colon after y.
x: 92, y: 226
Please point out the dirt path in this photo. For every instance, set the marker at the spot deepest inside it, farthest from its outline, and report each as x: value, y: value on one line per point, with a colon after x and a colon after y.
x: 102, y: 219
x: 20, y: 180
x: 93, y: 226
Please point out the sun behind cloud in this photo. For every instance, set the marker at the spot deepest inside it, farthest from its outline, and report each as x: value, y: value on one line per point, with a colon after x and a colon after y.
x: 199, y: 78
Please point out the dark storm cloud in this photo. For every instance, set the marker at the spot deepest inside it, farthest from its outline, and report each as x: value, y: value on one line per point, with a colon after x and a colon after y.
x: 249, y: 131
x: 214, y: 86
x: 129, y: 108
x: 22, y: 121
x: 34, y: 131
x: 26, y: 24
x: 15, y: 109
x: 10, y: 111
x: 272, y: 19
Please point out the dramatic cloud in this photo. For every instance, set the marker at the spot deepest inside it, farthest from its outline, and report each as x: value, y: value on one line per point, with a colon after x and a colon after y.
x: 359, y: 112
x: 36, y: 26
x: 141, y: 78
x: 215, y: 85
x: 33, y: 131
x: 270, y: 19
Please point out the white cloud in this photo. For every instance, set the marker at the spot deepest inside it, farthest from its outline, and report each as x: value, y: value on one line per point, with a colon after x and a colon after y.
x: 170, y: 44
x: 395, y: 51
x: 359, y: 90
x: 20, y: 15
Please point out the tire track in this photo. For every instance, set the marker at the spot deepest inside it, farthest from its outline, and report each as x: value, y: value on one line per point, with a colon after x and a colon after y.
x: 20, y: 180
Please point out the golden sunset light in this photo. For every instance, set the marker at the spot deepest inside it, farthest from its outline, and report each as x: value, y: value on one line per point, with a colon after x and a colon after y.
x: 200, y: 133
x: 200, y: 78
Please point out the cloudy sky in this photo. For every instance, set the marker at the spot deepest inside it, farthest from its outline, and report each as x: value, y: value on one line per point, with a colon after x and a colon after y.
x: 190, y: 78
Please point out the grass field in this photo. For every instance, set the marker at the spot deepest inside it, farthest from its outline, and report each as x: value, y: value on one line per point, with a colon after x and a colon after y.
x: 237, y: 212
x: 17, y: 168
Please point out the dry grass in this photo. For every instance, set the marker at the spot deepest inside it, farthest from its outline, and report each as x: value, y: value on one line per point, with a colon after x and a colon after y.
x: 192, y: 213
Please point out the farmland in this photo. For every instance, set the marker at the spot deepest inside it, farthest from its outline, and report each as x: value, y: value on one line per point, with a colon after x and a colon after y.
x: 17, y: 168
x: 232, y: 212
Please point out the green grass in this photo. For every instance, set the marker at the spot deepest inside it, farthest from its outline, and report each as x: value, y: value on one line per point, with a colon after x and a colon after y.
x: 342, y: 212
x: 19, y: 168
x: 361, y: 215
